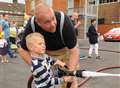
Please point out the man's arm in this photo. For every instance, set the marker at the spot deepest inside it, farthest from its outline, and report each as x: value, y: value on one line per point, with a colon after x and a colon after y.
x: 77, y: 25
x: 74, y: 58
x: 25, y: 56
x: 1, y: 28
x: 70, y: 40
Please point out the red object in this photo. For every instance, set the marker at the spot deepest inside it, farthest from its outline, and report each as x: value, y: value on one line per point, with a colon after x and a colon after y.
x: 112, y: 35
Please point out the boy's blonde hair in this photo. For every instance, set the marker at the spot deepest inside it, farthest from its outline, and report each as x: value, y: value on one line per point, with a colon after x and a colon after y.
x: 31, y: 38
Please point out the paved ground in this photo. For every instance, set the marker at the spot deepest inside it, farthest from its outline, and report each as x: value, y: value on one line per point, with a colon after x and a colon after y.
x: 110, y: 53
x: 15, y: 73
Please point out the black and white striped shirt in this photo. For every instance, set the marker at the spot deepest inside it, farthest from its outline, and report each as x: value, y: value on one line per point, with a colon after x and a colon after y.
x: 42, y: 72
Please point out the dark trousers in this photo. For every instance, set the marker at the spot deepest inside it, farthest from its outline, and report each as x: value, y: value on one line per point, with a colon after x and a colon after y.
x: 10, y: 53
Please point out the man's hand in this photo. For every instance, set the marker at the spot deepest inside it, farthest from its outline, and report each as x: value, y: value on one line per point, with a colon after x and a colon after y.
x: 77, y: 25
x: 1, y: 28
x: 67, y: 79
x: 58, y: 62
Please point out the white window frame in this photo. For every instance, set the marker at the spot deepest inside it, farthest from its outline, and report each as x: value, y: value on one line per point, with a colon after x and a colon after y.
x: 110, y: 2
x: 48, y: 2
x: 70, y: 7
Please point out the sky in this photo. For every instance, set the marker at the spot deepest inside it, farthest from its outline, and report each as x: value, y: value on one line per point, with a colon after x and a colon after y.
x: 10, y: 1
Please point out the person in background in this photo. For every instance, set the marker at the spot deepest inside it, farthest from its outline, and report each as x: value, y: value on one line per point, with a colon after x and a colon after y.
x: 13, y: 32
x: 76, y: 22
x: 47, y: 22
x: 4, y: 26
x: 0, y: 16
x: 3, y: 48
x: 26, y: 18
x: 13, y: 37
x: 93, y: 39
x: 42, y: 63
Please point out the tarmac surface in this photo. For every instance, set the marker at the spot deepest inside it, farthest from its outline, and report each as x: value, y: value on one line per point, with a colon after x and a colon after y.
x: 110, y: 53
x: 15, y: 73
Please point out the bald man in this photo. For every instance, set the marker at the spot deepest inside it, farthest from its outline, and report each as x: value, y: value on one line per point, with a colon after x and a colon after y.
x: 76, y: 22
x: 47, y: 22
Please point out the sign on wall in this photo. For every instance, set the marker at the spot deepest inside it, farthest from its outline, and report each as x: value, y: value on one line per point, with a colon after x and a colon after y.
x: 21, y: 1
x: 7, y: 1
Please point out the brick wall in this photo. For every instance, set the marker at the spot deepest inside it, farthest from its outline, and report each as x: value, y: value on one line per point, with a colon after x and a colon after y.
x: 58, y: 5
x: 106, y: 27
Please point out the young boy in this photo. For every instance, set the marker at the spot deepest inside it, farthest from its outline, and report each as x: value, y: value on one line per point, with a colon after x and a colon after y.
x: 41, y: 62
x: 3, y: 48
x: 93, y: 39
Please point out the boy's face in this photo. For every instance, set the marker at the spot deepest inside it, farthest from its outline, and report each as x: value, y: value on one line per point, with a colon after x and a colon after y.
x: 39, y: 46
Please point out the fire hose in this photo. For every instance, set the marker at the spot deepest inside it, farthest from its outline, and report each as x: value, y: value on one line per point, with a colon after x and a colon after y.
x: 82, y: 73
x: 98, y: 70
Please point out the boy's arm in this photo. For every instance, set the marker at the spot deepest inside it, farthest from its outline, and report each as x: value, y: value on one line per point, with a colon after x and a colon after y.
x: 43, y: 71
x: 54, y: 61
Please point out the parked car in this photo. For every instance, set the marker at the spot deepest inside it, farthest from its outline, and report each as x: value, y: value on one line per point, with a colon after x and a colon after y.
x: 112, y: 35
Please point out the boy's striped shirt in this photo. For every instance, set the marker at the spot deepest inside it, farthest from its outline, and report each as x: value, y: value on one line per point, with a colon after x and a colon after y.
x: 42, y: 72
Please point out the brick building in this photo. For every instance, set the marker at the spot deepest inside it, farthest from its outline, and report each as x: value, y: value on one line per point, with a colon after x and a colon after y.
x: 14, y: 8
x: 106, y: 11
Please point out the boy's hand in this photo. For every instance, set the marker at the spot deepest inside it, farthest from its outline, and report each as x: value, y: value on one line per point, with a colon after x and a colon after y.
x: 62, y: 71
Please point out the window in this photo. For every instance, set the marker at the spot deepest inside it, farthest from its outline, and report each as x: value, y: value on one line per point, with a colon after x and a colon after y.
x: 107, y: 1
x: 8, y: 1
x: 14, y: 1
x: 92, y: 2
x: 70, y: 6
x: 21, y: 1
x: 48, y: 2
